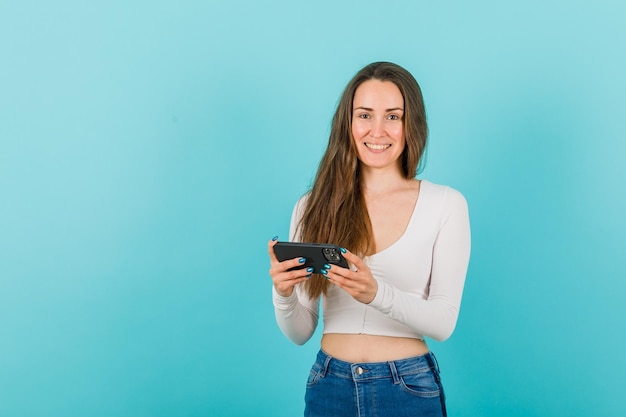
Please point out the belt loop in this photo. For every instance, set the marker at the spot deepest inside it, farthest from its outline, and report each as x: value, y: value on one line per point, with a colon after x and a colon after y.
x: 324, y: 369
x: 433, y: 364
x: 435, y: 361
x: 394, y: 372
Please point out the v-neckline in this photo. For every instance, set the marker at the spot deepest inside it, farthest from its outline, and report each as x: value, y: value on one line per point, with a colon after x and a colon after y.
x: 410, y: 222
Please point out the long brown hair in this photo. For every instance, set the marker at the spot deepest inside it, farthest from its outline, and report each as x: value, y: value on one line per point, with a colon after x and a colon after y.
x: 335, y: 211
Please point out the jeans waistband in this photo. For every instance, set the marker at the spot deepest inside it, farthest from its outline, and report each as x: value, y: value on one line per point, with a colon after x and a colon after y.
x: 368, y: 370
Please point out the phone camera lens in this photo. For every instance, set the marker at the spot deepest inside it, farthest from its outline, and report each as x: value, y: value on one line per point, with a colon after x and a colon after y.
x: 331, y: 254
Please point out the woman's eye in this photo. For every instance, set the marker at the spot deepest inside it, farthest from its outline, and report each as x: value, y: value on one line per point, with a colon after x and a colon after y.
x: 394, y: 117
x: 364, y: 116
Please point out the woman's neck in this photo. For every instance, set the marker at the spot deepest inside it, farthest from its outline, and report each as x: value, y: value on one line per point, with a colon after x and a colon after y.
x: 379, y: 181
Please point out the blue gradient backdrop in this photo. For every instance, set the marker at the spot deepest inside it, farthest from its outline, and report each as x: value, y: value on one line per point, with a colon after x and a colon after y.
x: 148, y: 151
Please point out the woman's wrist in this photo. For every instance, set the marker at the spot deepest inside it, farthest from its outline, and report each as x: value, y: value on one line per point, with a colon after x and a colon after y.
x: 373, y: 291
x: 284, y: 294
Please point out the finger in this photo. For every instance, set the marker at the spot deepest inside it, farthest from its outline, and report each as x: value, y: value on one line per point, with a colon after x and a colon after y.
x: 338, y: 275
x: 334, y: 270
x: 353, y: 259
x: 359, y: 288
x: 291, y: 276
x: 281, y: 267
x: 293, y: 263
x: 286, y: 280
x: 286, y: 288
x: 333, y: 276
x: 270, y: 249
x: 345, y: 283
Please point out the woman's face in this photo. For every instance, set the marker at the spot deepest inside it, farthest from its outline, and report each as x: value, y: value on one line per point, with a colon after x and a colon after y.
x: 377, y: 125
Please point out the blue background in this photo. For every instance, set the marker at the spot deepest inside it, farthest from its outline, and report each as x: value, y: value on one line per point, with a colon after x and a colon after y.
x: 148, y: 151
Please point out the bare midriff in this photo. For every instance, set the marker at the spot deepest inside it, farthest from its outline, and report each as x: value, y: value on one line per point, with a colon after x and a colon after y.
x: 362, y: 348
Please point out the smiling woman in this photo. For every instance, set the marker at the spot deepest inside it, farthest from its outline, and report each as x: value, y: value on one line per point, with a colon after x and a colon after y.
x: 409, y: 244
x: 377, y: 124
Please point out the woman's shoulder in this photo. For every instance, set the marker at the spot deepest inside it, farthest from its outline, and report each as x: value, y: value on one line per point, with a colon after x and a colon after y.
x: 443, y: 194
x: 301, y: 202
x: 296, y: 217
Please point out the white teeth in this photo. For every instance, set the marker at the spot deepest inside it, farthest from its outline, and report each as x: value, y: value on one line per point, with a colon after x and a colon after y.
x: 376, y: 147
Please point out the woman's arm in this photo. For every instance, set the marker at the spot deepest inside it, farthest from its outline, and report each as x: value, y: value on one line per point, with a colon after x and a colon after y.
x: 435, y: 316
x: 296, y: 314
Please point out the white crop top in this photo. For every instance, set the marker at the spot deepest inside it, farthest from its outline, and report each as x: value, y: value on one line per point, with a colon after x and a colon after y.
x: 420, y: 278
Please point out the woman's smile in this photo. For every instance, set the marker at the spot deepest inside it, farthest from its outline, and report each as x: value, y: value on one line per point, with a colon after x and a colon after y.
x: 377, y: 147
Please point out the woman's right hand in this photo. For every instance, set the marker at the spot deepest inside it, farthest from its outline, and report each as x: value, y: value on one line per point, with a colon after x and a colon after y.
x: 284, y: 280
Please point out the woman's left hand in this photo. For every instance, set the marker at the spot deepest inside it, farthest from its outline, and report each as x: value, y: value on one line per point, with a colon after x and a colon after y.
x: 359, y: 283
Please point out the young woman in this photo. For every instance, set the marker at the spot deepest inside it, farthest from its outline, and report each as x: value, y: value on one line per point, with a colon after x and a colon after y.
x: 408, y: 245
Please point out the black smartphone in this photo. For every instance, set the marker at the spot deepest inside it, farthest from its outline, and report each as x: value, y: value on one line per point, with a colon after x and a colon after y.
x: 316, y: 254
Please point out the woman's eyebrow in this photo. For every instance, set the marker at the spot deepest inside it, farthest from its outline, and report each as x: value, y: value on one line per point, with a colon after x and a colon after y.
x: 370, y: 109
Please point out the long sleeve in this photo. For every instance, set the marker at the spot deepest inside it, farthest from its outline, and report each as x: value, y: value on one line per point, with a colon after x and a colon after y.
x: 436, y: 315
x: 296, y: 315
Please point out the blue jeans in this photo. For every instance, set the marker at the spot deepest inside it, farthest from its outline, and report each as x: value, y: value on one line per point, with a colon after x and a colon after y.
x: 407, y: 387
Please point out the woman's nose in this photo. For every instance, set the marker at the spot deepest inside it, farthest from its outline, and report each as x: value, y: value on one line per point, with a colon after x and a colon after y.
x: 377, y: 128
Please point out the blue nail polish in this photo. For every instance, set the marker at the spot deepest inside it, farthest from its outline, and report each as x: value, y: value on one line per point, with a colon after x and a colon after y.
x: 302, y: 260
x: 326, y: 266
x: 327, y: 278
x: 323, y: 271
x: 275, y: 238
x: 343, y: 250
x: 309, y: 269
x: 309, y: 275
